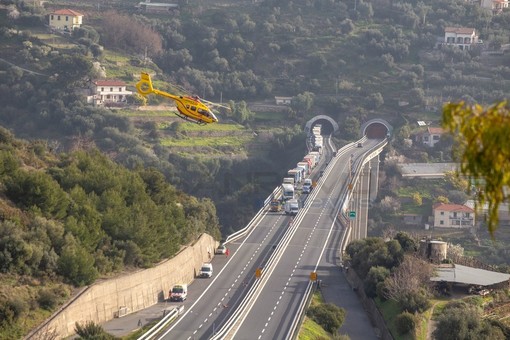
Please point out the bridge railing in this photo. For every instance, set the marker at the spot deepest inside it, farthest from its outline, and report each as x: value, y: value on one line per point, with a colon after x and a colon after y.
x: 240, y: 233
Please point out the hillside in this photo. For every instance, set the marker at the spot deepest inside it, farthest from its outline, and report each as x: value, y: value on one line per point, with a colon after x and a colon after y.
x: 67, y: 219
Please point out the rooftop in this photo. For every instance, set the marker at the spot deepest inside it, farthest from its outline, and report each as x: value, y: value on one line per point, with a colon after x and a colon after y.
x: 67, y: 12
x: 426, y: 170
x: 459, y: 30
x: 452, y: 207
x: 468, y: 275
x: 109, y: 83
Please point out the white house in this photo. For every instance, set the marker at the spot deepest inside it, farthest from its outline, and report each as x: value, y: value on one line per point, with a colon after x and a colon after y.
x: 65, y: 19
x: 453, y: 216
x: 462, y: 37
x: 431, y: 136
x: 283, y: 100
x: 109, y: 92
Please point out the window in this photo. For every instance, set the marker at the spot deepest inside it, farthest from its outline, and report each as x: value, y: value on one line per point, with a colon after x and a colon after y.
x: 52, y: 18
x: 111, y: 89
x: 435, y: 137
x: 102, y: 89
x: 107, y: 96
x: 442, y: 213
x: 441, y: 222
x: 425, y: 138
x: 454, y: 214
x: 193, y: 108
x: 67, y: 18
x: 120, y: 89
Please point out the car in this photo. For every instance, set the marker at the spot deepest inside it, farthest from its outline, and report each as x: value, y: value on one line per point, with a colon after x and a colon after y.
x: 221, y: 249
x: 321, y: 173
x: 360, y: 145
x: 206, y: 270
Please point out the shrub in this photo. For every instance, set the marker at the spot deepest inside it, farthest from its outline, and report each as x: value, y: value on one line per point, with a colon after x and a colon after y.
x: 11, y: 310
x: 328, y: 315
x: 90, y: 330
x: 405, y: 323
x: 47, y: 299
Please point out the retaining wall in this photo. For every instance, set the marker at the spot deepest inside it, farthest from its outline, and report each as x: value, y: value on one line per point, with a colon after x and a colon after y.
x: 110, y: 298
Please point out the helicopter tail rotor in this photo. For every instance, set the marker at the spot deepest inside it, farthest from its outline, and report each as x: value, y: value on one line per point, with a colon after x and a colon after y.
x: 144, y: 86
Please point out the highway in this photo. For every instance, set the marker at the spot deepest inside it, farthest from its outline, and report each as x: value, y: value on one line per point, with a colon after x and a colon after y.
x: 312, y: 248
x: 296, y: 247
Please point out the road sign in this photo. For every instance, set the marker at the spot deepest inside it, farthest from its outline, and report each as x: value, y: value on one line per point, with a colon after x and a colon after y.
x: 313, y: 276
x: 352, y: 214
x: 258, y: 273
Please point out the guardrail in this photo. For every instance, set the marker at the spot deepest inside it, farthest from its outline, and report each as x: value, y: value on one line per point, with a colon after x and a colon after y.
x: 249, y: 299
x: 241, y: 232
x: 298, y: 320
x: 153, y: 332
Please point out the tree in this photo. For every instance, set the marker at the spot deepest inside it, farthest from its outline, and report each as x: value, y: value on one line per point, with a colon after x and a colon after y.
x: 124, y: 32
x: 407, y: 284
x: 302, y: 102
x: 417, y: 199
x: 375, y: 275
x: 482, y: 137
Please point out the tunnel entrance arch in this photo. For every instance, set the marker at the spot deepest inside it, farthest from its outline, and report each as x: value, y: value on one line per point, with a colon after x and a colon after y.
x: 328, y: 124
x: 376, y: 129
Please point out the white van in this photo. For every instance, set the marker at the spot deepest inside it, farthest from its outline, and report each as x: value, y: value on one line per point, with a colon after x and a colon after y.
x: 206, y: 270
x: 179, y: 292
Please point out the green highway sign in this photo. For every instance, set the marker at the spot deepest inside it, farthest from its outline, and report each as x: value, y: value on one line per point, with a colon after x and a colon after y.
x: 352, y: 214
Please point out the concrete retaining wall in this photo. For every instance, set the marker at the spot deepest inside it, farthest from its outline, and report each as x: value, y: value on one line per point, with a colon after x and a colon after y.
x: 104, y: 300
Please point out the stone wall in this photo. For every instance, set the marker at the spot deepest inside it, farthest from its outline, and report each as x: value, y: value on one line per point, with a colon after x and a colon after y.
x: 106, y: 299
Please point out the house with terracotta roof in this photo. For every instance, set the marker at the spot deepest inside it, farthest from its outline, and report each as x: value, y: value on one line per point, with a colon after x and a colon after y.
x: 461, y: 37
x: 65, y: 20
x: 453, y: 216
x: 496, y: 6
x: 431, y: 136
x: 109, y: 93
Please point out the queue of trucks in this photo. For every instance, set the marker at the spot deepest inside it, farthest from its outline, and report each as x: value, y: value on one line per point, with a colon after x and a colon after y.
x: 300, y: 174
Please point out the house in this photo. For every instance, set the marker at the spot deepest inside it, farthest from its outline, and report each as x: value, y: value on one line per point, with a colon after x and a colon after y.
x: 453, y: 216
x: 431, y: 136
x: 503, y: 212
x: 65, y: 20
x: 156, y: 7
x: 495, y: 6
x: 283, y: 100
x: 462, y: 37
x: 109, y: 93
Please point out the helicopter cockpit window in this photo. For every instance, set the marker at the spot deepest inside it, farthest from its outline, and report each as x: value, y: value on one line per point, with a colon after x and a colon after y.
x: 203, y: 112
x: 193, y: 108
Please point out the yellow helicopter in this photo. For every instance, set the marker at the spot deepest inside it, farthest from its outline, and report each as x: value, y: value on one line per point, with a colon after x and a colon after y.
x: 190, y: 108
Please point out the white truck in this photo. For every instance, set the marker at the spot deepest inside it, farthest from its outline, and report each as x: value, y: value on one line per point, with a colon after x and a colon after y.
x: 292, y: 207
x: 289, y: 180
x: 287, y: 191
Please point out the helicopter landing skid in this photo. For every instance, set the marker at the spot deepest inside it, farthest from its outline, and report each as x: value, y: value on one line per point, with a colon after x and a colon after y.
x: 186, y: 118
